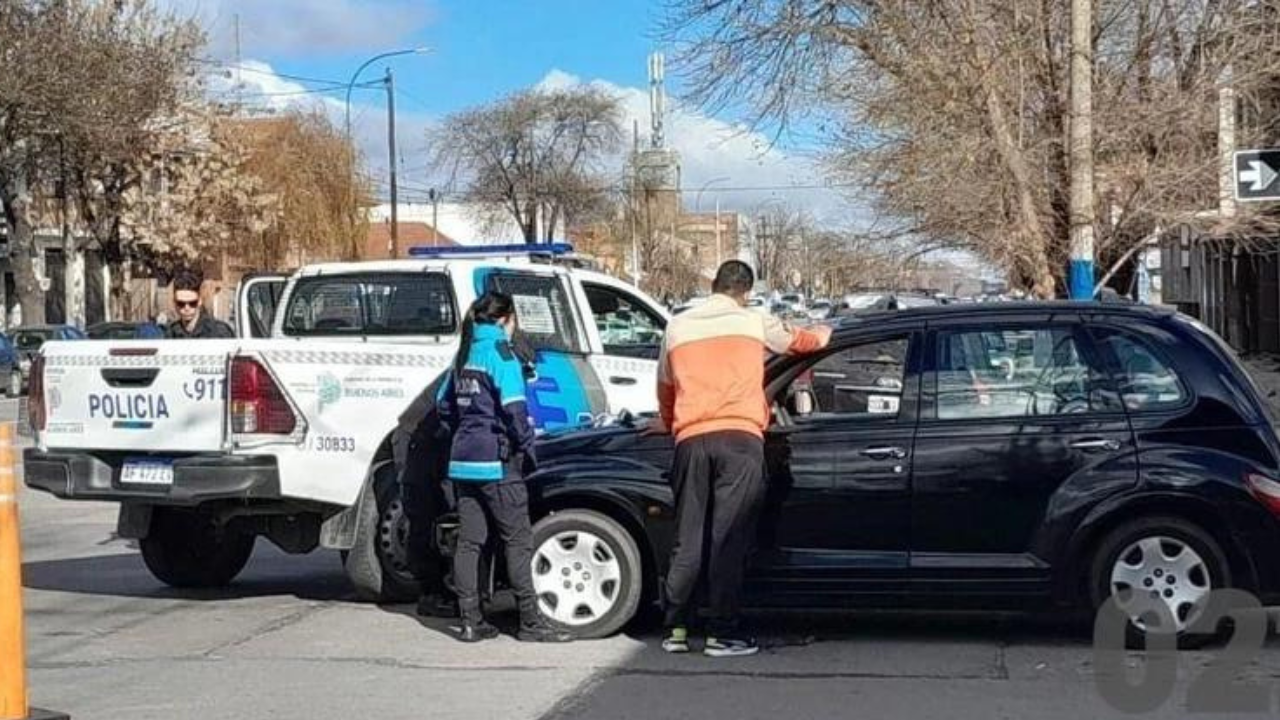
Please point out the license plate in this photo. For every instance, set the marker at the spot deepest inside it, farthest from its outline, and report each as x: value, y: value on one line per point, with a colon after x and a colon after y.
x: 147, y: 472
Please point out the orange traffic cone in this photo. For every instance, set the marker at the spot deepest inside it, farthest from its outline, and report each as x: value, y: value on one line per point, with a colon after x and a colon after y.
x: 13, y: 656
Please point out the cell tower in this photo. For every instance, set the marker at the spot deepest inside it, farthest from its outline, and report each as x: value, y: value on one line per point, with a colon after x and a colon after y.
x: 657, y: 168
x: 657, y: 100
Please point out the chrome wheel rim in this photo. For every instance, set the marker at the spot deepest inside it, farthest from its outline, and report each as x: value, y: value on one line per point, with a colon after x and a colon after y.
x: 1159, y: 578
x: 577, y: 577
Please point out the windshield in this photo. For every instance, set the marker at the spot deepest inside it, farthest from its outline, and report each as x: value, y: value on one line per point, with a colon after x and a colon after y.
x: 31, y: 339
x: 386, y: 304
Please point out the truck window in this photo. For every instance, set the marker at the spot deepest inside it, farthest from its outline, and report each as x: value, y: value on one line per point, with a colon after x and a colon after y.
x: 387, y: 304
x: 543, y: 313
x: 626, y: 326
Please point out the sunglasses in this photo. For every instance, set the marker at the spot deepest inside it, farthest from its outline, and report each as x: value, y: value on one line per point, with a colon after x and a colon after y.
x: 186, y: 303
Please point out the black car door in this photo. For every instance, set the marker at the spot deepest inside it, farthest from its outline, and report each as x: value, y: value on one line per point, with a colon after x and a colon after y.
x: 1020, y: 422
x: 837, y: 512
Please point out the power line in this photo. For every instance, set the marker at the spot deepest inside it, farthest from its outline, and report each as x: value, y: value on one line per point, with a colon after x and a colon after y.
x: 286, y: 76
x: 312, y: 91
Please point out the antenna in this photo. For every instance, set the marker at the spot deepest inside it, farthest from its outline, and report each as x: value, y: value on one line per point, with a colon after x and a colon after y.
x: 657, y: 99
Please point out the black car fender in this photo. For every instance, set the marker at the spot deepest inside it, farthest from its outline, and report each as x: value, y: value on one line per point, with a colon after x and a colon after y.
x: 1070, y: 580
x: 644, y: 509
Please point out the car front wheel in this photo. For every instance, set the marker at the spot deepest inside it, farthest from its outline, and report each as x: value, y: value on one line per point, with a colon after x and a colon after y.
x: 587, y: 572
x: 1161, y: 572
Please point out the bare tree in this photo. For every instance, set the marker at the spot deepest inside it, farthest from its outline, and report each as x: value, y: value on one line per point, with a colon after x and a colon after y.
x: 955, y: 113
x: 533, y: 157
x: 308, y: 166
x: 85, y: 83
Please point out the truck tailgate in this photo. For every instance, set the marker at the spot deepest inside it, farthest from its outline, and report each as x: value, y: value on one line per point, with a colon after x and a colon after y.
x: 135, y: 395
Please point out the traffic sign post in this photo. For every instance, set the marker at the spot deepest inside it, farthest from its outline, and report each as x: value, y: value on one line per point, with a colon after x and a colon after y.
x: 1256, y: 173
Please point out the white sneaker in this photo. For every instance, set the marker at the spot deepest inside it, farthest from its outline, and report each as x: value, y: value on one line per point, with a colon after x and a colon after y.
x: 731, y: 647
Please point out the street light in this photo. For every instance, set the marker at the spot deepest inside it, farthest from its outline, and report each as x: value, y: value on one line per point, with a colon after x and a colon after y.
x: 367, y: 63
x: 393, y: 244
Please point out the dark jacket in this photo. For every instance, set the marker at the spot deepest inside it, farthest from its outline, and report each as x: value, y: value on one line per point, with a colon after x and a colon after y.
x: 206, y: 328
x: 486, y: 410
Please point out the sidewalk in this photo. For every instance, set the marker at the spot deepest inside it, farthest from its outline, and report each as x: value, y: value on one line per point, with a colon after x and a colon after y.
x: 1265, y: 370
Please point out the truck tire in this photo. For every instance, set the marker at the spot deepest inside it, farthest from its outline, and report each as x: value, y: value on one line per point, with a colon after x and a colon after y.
x: 185, y: 549
x: 587, y: 573
x: 377, y: 563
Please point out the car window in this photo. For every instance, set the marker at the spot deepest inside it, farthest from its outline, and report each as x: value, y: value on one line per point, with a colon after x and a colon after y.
x: 543, y: 312
x: 1018, y: 372
x: 863, y: 380
x: 1146, y: 381
x: 261, y: 299
x: 627, y: 327
x: 372, y: 305
x: 30, y: 340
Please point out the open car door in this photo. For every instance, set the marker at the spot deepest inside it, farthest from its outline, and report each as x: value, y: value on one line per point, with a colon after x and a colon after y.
x: 256, y: 304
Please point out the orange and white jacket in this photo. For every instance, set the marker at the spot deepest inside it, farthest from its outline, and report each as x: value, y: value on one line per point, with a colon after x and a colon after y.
x: 711, y: 371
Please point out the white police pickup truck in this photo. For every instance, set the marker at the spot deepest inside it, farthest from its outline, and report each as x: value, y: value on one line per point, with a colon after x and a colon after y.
x: 285, y: 431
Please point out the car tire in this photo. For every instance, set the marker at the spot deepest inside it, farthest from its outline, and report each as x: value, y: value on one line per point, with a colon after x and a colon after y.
x: 1120, y: 554
x: 607, y: 601
x: 185, y: 549
x: 377, y: 563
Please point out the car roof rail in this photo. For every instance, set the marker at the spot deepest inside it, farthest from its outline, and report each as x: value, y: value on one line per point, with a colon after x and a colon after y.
x: 491, y: 251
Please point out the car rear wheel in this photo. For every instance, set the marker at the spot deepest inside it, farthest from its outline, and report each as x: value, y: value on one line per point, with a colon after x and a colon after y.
x: 378, y: 563
x: 1161, y: 571
x: 587, y: 572
x: 186, y: 549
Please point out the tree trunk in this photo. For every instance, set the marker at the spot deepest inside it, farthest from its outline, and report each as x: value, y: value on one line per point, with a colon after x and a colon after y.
x: 15, y: 196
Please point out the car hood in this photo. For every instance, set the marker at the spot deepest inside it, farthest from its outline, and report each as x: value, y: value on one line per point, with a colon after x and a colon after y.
x: 608, y: 450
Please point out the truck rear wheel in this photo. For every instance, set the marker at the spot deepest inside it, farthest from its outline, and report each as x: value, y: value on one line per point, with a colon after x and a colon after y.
x: 186, y: 549
x: 377, y: 563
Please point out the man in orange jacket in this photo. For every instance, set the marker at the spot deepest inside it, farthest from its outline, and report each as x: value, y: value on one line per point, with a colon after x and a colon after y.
x: 711, y: 395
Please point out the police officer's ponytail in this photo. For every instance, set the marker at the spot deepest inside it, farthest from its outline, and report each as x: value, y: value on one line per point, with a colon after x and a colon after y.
x: 488, y: 309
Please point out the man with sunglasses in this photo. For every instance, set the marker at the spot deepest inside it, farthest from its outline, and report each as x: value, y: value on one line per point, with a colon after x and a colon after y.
x: 193, y: 322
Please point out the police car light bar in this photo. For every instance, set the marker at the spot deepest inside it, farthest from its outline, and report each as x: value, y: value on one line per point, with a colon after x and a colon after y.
x: 472, y: 251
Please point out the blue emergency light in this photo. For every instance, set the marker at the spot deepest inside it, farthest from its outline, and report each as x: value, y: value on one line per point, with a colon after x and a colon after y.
x: 426, y: 251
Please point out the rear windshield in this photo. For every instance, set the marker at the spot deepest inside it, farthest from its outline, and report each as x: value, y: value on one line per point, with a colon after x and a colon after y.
x: 386, y: 304
x: 31, y: 339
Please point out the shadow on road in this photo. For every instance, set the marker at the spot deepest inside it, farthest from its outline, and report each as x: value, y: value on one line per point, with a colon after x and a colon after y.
x: 317, y: 576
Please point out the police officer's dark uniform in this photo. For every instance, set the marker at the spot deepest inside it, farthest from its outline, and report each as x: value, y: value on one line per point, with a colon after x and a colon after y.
x: 492, y: 449
x: 206, y: 327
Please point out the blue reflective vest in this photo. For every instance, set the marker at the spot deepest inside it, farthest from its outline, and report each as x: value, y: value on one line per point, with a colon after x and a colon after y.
x: 485, y: 409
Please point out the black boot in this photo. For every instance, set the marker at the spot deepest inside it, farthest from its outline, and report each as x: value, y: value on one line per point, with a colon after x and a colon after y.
x: 537, y: 630
x: 473, y: 632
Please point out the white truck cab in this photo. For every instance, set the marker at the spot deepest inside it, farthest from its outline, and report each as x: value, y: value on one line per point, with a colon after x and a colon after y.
x: 285, y: 431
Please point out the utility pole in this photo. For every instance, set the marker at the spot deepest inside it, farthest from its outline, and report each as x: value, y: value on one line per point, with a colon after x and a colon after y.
x: 391, y: 158
x: 434, y: 197
x: 1081, y: 150
x: 239, y: 84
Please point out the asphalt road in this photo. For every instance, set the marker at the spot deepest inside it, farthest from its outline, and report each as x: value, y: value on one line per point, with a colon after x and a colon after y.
x: 108, y: 642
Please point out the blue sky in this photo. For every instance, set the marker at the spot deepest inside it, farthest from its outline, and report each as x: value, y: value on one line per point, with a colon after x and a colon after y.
x: 482, y: 50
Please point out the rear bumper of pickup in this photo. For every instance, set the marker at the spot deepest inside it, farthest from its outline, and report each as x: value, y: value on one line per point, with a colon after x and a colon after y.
x: 196, y: 479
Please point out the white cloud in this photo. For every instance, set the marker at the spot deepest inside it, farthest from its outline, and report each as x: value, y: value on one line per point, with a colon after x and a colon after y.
x: 305, y: 27
x: 263, y: 92
x: 747, y: 169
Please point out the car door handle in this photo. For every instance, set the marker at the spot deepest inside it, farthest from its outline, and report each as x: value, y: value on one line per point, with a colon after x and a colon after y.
x: 1107, y: 444
x: 884, y: 453
x: 622, y: 380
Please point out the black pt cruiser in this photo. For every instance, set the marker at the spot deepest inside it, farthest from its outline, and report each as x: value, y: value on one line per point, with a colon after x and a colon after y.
x: 994, y: 456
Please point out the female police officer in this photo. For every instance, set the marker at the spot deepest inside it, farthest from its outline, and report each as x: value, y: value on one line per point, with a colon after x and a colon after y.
x: 484, y: 403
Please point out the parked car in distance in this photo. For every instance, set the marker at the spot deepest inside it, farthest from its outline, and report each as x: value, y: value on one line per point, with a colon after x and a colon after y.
x: 125, y: 331
x: 821, y: 310
x: 1004, y: 456
x: 10, y: 368
x: 886, y: 300
x: 28, y: 339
